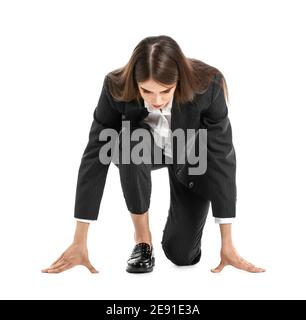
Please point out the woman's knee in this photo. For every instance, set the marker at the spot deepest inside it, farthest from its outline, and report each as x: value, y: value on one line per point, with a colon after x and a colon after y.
x: 181, y: 253
x: 137, y: 211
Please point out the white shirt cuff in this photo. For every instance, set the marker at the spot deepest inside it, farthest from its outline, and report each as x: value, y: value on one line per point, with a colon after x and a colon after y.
x: 85, y: 220
x: 224, y: 220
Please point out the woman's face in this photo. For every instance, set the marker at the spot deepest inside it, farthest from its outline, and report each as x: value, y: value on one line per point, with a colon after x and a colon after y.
x: 155, y: 94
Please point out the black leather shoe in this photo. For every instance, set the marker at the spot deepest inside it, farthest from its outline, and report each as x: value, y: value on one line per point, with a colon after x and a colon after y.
x: 141, y: 259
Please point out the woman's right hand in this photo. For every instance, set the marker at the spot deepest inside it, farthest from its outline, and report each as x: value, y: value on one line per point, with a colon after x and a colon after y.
x: 76, y: 254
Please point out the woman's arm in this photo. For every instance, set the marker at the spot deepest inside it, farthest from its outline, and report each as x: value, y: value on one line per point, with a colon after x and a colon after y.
x: 90, y: 184
x: 229, y: 255
x: 220, y: 178
x: 219, y: 181
x: 92, y: 172
x: 75, y: 254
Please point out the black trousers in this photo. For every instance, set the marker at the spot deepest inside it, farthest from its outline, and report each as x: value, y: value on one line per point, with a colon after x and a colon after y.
x: 187, y: 213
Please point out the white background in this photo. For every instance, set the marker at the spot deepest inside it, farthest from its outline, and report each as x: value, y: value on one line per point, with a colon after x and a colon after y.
x: 54, y: 56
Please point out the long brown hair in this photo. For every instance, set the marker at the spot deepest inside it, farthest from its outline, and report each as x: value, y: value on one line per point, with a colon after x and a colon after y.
x: 160, y: 58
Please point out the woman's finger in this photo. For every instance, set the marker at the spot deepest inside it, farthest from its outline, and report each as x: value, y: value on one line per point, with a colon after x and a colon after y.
x: 55, y: 263
x: 250, y: 268
x: 58, y: 264
x: 57, y: 260
x: 61, y: 268
x: 256, y: 269
x: 247, y: 262
x: 90, y: 267
x: 219, y: 268
x: 52, y: 266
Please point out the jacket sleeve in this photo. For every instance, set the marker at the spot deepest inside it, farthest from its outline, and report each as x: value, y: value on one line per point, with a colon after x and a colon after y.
x: 221, y: 156
x: 92, y: 172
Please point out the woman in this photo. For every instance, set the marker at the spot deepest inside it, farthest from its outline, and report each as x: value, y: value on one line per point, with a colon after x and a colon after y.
x: 160, y: 90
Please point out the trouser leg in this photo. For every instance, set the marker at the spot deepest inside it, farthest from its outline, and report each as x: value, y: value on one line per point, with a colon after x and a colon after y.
x: 136, y: 178
x: 183, y: 230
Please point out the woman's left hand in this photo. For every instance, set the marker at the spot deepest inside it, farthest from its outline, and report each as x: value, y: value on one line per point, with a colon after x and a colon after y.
x: 229, y: 256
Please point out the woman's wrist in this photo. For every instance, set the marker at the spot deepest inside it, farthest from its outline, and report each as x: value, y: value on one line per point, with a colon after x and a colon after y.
x: 226, y: 235
x: 81, y: 233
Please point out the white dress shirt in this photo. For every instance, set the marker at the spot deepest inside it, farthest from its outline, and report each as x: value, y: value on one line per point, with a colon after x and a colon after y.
x: 160, y: 120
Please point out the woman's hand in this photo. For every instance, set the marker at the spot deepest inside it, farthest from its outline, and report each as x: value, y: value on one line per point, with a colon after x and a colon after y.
x: 230, y: 257
x: 76, y: 254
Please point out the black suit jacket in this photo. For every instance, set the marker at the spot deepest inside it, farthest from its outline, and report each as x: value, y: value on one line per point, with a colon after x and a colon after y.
x: 208, y: 111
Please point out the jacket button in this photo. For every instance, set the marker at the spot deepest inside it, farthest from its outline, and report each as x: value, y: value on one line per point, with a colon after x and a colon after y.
x: 178, y: 171
x: 190, y: 184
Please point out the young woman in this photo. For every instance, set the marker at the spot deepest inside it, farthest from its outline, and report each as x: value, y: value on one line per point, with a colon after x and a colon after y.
x: 160, y: 91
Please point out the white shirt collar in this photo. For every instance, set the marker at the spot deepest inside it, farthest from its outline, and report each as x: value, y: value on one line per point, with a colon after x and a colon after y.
x: 165, y: 110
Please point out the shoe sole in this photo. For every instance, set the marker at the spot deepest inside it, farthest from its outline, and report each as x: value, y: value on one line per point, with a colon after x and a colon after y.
x: 130, y: 269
